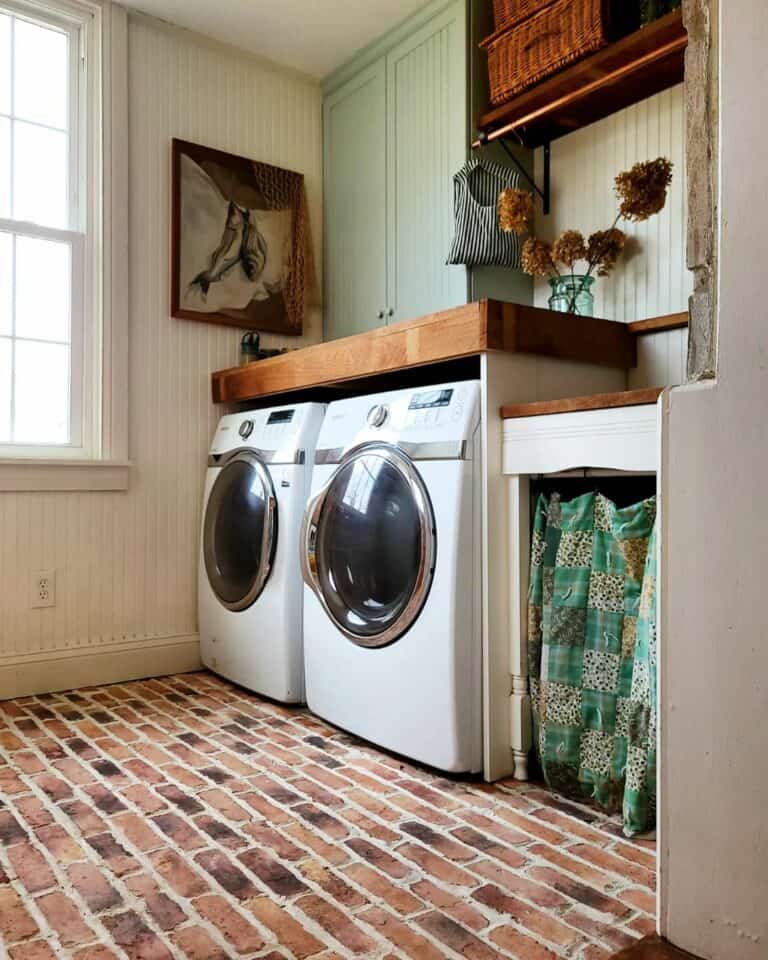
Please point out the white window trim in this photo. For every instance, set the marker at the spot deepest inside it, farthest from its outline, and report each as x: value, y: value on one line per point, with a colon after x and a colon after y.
x: 104, y: 373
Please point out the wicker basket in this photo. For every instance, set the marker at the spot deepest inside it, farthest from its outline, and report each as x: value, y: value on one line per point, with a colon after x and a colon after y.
x: 506, y: 13
x: 559, y: 34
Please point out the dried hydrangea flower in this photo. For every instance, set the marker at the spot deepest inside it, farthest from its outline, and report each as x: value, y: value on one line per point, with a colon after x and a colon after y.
x: 569, y: 247
x: 515, y: 209
x: 643, y: 189
x: 537, y: 258
x: 604, y: 249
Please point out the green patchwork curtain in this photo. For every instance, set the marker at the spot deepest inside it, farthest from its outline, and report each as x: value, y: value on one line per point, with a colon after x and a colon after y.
x: 592, y: 652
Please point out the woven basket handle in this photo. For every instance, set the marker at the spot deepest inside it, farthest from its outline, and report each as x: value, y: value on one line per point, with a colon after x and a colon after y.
x: 538, y: 38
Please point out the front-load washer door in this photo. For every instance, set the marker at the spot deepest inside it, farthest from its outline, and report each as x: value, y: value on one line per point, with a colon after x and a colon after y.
x: 240, y: 530
x: 369, y: 545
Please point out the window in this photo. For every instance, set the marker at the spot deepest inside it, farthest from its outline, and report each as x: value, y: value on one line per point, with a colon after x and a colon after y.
x: 52, y: 285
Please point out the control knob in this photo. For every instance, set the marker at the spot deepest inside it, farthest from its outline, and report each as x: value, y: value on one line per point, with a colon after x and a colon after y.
x: 246, y: 429
x: 377, y: 415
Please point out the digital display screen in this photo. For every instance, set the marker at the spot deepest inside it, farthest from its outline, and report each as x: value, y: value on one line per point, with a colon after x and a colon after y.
x: 434, y: 398
x: 280, y: 416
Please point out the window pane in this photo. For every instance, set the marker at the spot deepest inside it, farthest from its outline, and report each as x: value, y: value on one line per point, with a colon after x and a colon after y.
x: 41, y: 407
x: 5, y: 390
x: 41, y: 74
x: 42, y: 289
x: 5, y: 63
x: 40, y: 175
x: 5, y: 167
x: 6, y: 276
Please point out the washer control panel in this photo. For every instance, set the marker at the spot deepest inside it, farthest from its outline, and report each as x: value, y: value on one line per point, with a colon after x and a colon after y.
x: 431, y: 400
x: 431, y: 408
x: 281, y: 429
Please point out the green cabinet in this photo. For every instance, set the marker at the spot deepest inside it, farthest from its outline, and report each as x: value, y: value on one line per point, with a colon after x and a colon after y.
x: 395, y: 129
x: 355, y: 203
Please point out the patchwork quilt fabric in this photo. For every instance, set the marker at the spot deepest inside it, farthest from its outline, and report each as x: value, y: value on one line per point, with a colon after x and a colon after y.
x: 592, y: 652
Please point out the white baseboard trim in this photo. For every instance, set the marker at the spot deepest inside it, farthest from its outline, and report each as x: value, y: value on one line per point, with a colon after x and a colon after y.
x: 54, y: 670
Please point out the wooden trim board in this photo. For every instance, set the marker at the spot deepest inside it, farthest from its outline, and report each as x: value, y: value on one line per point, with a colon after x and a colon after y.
x: 672, y: 321
x: 596, y: 401
x: 464, y: 331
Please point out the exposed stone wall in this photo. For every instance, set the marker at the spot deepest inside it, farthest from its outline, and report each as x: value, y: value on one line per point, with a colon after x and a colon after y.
x: 701, y: 94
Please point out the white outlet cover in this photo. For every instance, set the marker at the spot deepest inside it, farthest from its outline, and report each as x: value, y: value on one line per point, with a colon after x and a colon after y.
x: 43, y: 589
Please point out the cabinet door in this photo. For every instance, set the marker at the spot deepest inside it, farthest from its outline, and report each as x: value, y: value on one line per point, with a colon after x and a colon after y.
x: 355, y: 204
x: 426, y: 145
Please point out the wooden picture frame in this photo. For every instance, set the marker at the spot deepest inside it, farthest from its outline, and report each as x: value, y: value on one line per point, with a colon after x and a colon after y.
x: 234, y: 232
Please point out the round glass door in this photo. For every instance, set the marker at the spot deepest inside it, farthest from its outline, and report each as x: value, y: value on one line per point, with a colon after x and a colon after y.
x: 374, y: 546
x: 239, y: 534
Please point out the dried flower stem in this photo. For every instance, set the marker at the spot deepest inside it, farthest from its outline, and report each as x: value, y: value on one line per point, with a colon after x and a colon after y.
x: 591, y: 264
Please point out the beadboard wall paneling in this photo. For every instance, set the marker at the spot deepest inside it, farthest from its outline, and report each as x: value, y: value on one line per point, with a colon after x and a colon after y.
x: 661, y: 360
x: 126, y: 563
x: 652, y: 279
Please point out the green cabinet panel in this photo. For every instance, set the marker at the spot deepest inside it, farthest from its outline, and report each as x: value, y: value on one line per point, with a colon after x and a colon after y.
x: 355, y: 203
x: 426, y: 145
x: 395, y: 133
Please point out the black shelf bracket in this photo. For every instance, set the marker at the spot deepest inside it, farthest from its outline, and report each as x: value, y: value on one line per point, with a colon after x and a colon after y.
x: 543, y: 192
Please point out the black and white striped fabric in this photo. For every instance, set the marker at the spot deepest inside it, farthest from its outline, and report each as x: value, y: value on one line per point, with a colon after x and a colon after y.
x: 479, y: 241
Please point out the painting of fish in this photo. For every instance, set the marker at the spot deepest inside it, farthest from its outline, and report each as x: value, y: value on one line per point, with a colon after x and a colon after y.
x: 233, y: 237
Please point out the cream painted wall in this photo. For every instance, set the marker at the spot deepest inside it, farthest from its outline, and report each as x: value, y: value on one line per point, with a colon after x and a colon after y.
x: 714, y: 670
x: 652, y: 278
x: 126, y: 562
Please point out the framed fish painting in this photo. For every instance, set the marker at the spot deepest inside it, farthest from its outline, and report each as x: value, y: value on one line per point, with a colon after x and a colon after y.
x: 241, y: 248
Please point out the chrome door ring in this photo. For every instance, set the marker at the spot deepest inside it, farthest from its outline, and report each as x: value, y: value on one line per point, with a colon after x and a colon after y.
x: 268, y: 538
x: 427, y: 551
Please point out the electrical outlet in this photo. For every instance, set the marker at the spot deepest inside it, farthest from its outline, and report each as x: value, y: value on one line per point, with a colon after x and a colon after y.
x: 43, y: 589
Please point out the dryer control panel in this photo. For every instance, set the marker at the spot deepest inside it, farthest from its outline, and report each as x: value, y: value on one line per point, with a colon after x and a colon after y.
x: 448, y: 412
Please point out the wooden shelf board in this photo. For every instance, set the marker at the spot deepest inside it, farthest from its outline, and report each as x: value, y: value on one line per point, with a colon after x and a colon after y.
x: 596, y: 401
x: 440, y: 338
x: 672, y: 321
x: 636, y: 67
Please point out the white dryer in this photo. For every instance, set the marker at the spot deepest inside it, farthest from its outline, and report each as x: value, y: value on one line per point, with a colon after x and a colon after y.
x: 250, y: 589
x: 391, y: 557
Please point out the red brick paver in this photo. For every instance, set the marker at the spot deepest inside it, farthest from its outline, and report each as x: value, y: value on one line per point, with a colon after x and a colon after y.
x: 185, y: 818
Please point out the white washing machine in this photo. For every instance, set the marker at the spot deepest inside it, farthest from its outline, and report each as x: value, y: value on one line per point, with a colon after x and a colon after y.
x: 250, y: 589
x: 390, y: 551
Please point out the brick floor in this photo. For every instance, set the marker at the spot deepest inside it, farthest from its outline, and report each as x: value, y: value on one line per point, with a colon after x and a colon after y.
x: 186, y: 818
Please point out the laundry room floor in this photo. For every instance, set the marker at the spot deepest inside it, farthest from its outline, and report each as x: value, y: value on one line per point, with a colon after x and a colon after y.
x: 184, y: 817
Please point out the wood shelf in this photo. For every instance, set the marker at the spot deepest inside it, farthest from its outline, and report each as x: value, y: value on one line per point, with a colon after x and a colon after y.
x: 638, y: 66
x: 595, y: 401
x: 672, y: 321
x: 438, y: 339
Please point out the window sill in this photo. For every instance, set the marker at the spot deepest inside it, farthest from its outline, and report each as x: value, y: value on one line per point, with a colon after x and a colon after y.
x: 63, y: 475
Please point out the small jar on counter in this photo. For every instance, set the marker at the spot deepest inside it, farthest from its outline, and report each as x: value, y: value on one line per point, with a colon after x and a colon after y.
x: 249, y: 348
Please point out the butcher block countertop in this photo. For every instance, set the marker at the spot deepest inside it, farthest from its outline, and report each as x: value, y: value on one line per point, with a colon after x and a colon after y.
x: 451, y: 336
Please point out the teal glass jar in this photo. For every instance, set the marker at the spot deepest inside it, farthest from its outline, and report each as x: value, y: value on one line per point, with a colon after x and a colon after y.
x: 572, y: 293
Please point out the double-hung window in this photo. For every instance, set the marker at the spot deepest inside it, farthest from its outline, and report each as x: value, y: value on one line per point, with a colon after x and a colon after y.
x: 53, y: 286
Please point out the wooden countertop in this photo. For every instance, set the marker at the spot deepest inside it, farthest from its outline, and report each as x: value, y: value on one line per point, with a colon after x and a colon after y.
x: 463, y: 332
x: 595, y: 401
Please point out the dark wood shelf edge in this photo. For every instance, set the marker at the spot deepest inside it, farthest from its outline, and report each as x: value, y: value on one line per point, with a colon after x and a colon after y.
x: 596, y: 401
x: 633, y: 68
x: 672, y: 321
